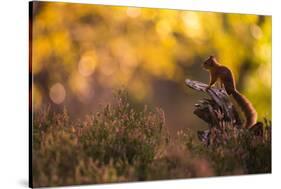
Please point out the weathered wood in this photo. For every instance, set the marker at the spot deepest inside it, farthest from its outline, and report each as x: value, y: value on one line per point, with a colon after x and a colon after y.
x: 216, y: 111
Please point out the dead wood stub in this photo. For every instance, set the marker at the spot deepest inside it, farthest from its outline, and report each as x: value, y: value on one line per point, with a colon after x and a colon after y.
x: 215, y: 111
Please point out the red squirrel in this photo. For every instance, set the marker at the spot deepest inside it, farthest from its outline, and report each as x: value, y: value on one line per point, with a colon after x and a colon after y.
x: 224, y: 74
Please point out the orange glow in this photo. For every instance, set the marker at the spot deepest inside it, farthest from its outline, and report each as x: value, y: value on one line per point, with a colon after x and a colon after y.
x: 87, y: 64
x: 193, y: 24
x: 256, y: 31
x: 93, y: 48
x: 133, y: 12
x: 57, y: 93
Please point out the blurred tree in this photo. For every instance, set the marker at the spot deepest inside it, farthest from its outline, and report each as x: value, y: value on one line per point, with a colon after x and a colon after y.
x: 88, y: 49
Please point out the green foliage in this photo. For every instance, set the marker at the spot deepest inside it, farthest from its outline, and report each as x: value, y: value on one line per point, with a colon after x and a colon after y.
x: 121, y: 143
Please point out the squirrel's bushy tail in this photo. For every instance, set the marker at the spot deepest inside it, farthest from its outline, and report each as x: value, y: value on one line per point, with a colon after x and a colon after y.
x: 247, y: 108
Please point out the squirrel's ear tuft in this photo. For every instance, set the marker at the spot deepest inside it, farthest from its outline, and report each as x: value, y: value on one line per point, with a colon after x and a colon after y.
x: 212, y: 57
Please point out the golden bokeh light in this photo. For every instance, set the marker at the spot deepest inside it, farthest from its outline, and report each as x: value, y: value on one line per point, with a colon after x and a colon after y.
x: 57, y: 93
x: 80, y: 86
x: 87, y: 64
x: 133, y: 12
x: 256, y: 31
x: 193, y: 24
x: 93, y: 48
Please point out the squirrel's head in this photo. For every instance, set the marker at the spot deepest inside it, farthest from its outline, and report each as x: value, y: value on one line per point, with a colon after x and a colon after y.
x: 210, y: 63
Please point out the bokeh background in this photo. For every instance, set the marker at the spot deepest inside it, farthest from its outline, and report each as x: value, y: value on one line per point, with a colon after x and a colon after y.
x: 82, y: 53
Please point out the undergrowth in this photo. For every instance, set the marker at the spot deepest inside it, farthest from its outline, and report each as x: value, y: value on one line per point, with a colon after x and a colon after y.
x: 120, y: 143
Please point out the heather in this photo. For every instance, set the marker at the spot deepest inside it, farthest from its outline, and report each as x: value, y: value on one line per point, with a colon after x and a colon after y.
x: 121, y: 143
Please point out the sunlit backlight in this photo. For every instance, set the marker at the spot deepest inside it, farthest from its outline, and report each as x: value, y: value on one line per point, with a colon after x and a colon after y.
x: 192, y: 24
x: 40, y: 53
x: 163, y: 28
x: 57, y: 93
x: 265, y: 52
x: 108, y: 69
x: 133, y: 12
x: 80, y: 86
x: 256, y: 31
x: 87, y: 65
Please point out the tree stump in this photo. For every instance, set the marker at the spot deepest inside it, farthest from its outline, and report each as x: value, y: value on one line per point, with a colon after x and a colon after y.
x: 216, y: 111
